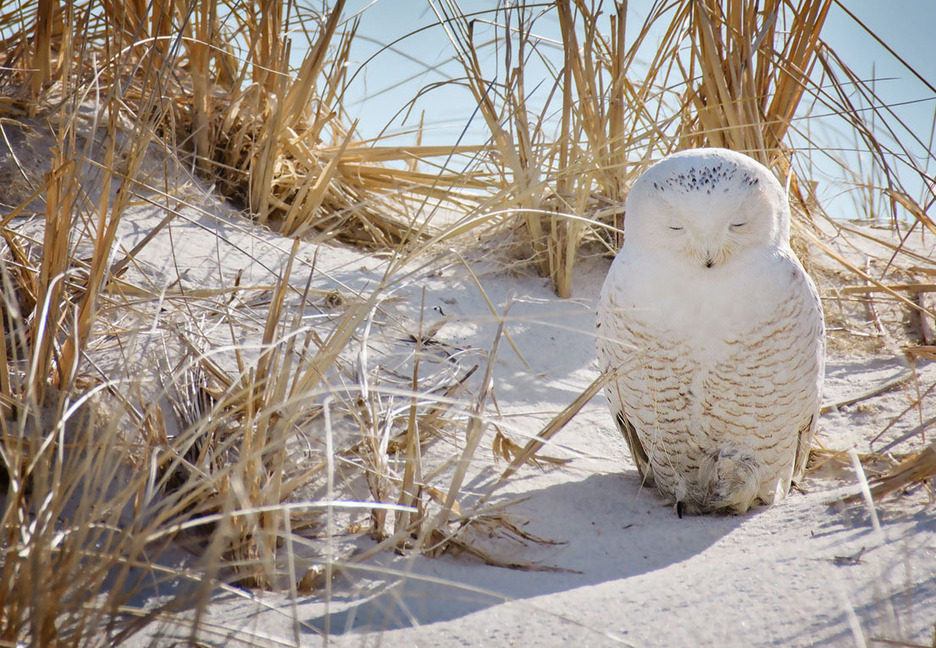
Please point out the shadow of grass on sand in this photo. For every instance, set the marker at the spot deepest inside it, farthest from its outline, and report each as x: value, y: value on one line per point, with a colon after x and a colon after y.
x: 610, y: 529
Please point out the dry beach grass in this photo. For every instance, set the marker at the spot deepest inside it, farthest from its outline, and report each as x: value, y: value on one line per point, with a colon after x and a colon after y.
x: 254, y: 417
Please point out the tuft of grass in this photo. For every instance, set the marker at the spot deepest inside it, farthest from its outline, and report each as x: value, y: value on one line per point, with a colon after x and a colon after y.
x: 216, y: 79
x: 75, y: 525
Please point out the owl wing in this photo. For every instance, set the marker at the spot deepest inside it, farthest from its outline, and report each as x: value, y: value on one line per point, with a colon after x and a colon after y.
x: 636, y: 448
x: 812, y: 334
x: 803, y: 445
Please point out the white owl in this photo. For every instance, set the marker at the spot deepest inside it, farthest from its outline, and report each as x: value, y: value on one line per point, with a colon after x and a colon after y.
x: 715, y: 333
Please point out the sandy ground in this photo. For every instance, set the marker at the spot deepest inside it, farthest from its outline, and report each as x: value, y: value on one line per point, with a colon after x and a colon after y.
x: 629, y: 572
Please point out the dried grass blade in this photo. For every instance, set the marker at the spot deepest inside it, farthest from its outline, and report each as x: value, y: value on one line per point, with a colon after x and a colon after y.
x: 60, y: 205
x: 911, y: 288
x: 412, y: 464
x: 301, y: 91
x: 476, y: 426
x: 549, y: 431
x: 919, y: 467
x: 815, y: 240
x: 302, y: 213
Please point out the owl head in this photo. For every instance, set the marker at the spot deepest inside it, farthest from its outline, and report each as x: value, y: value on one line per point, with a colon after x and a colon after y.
x: 707, y: 206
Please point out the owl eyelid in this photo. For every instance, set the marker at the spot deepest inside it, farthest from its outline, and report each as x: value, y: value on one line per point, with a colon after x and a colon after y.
x: 738, y: 224
x: 675, y: 229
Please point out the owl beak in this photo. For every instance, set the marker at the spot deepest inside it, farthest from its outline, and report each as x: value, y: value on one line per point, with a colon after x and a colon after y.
x: 710, y: 253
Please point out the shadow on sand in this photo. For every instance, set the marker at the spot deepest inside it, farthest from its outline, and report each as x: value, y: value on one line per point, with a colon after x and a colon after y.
x: 611, y: 528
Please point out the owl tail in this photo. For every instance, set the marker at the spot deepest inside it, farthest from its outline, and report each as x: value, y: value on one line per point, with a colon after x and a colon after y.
x: 730, y: 479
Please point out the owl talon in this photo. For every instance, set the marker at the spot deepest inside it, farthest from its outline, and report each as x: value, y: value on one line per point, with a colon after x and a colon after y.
x: 680, y: 505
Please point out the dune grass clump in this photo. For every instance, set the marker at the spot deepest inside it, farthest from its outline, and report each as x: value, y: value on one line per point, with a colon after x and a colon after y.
x: 71, y: 550
x: 82, y: 533
x: 216, y: 82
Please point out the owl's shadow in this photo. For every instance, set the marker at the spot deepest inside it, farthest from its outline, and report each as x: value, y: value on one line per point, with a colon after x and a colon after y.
x: 611, y: 529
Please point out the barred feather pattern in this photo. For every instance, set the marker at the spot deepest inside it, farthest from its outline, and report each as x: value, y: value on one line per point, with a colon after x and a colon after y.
x: 758, y: 401
x: 718, y: 372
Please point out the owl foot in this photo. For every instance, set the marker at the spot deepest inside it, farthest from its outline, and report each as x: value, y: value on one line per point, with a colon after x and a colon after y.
x: 730, y: 478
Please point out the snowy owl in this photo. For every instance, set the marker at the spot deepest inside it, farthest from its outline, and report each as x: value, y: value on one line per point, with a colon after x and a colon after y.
x: 714, y: 331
